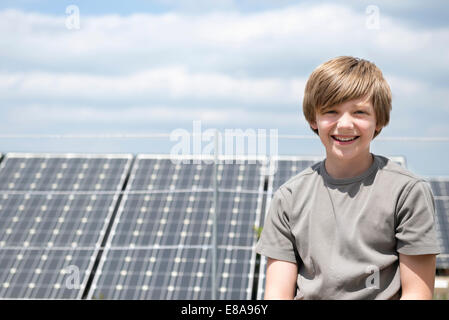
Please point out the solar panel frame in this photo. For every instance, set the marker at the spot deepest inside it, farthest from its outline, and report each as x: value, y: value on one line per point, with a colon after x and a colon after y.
x: 51, y: 250
x: 110, y: 246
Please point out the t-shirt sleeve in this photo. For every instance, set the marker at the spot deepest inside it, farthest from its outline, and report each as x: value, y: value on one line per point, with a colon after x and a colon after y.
x: 276, y: 240
x: 415, y: 225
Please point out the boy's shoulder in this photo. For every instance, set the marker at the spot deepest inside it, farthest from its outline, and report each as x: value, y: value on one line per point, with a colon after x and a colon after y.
x: 388, y: 171
x: 391, y: 170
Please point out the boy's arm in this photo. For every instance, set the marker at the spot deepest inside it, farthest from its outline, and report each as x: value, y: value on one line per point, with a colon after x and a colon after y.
x: 280, y: 283
x: 417, y: 276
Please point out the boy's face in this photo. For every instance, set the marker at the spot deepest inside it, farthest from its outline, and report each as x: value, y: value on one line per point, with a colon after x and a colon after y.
x: 347, y: 129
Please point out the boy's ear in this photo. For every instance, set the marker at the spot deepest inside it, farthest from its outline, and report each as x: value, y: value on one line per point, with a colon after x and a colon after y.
x: 313, y: 125
x: 379, y: 127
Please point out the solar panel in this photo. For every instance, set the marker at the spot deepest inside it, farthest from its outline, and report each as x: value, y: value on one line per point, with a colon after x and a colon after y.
x: 285, y: 167
x: 185, y: 218
x: 73, y: 220
x: 69, y: 172
x: 440, y: 188
x: 167, y: 207
x: 44, y: 273
x: 178, y: 272
x: 52, y: 216
x: 160, y: 172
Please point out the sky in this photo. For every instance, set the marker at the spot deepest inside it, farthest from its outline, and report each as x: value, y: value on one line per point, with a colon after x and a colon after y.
x: 141, y: 67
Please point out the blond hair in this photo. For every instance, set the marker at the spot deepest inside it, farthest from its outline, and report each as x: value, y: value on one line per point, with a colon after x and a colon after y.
x: 346, y: 78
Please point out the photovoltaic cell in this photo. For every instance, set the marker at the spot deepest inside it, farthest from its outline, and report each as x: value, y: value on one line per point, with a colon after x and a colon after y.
x: 53, y: 216
x: 170, y: 205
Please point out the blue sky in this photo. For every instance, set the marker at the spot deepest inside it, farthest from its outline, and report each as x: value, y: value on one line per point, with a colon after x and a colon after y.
x: 156, y: 66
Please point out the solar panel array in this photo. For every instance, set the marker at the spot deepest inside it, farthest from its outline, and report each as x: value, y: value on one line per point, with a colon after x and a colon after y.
x: 78, y: 226
x: 51, y: 222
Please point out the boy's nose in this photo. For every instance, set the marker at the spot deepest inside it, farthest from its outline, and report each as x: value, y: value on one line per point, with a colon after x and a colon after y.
x: 345, y: 121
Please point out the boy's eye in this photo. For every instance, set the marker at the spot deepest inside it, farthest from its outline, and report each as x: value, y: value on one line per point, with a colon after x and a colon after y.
x: 360, y: 111
x: 329, y: 111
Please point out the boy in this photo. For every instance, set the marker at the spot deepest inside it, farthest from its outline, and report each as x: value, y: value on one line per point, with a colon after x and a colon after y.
x: 356, y: 225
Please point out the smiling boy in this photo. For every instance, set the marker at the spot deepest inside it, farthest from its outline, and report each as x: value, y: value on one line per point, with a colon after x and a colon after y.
x: 356, y: 225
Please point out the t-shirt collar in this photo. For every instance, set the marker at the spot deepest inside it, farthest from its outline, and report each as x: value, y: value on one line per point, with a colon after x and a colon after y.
x: 373, y: 168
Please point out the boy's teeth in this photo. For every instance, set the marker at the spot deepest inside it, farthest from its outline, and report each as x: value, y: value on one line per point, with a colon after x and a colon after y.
x: 344, y: 139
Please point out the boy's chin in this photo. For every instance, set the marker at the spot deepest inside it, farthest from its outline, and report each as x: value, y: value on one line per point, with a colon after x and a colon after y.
x: 345, y: 154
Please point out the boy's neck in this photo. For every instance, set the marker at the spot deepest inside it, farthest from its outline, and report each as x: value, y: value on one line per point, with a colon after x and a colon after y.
x: 338, y: 169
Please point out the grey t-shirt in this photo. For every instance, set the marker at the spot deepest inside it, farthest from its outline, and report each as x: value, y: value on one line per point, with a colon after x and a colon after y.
x: 346, y: 234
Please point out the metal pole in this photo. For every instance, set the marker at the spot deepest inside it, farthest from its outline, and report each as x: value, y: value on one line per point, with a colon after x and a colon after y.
x: 214, y: 222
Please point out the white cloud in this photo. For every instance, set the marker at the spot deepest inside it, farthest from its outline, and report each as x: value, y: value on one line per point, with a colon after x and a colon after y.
x: 167, y: 83
x: 228, y: 117
x: 143, y: 41
x: 418, y: 94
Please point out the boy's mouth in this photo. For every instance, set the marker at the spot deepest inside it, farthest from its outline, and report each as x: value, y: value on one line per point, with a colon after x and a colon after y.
x: 345, y: 140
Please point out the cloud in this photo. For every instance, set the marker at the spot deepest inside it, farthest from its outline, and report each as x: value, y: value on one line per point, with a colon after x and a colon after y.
x: 170, y: 84
x: 44, y: 115
x: 220, y: 65
x: 418, y: 95
x: 228, y: 41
